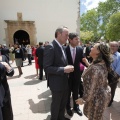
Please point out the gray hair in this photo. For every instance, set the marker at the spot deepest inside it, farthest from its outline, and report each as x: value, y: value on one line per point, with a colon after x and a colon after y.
x: 60, y: 30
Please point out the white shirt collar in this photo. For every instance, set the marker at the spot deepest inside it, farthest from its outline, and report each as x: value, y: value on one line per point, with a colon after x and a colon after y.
x: 71, y: 48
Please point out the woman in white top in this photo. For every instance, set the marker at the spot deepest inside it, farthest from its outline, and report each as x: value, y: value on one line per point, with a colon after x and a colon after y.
x: 29, y: 54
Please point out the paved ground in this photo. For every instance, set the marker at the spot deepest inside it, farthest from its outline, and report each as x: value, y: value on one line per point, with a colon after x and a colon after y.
x: 31, y: 98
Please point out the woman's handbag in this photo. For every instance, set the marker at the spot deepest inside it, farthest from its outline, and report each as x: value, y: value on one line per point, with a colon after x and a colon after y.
x: 112, y: 77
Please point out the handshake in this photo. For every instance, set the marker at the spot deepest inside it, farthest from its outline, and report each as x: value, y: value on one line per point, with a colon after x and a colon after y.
x: 68, y: 69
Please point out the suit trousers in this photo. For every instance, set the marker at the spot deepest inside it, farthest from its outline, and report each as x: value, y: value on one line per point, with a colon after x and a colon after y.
x: 29, y: 58
x: 59, y: 100
x: 113, y: 88
x: 41, y: 72
x: 74, y: 89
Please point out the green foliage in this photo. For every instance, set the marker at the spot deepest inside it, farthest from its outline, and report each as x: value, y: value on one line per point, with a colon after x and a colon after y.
x: 105, y: 10
x: 113, y: 27
x: 96, y: 19
x: 86, y: 36
x: 89, y: 22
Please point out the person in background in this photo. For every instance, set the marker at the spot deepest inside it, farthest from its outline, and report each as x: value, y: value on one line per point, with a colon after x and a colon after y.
x: 87, y: 52
x: 5, y: 51
x: 115, y: 66
x: 95, y: 82
x: 24, y: 51
x: 0, y: 48
x: 119, y: 46
x: 46, y: 43
x: 18, y: 58
x: 11, y: 54
x: 29, y: 54
x: 39, y: 54
x: 36, y: 59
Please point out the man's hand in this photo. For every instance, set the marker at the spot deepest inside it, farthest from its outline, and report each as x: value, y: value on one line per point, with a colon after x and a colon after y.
x: 68, y: 69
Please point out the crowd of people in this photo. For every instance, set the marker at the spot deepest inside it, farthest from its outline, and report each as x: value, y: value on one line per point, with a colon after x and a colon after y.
x: 72, y: 71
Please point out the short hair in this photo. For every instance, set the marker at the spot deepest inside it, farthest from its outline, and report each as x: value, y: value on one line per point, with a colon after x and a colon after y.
x: 72, y: 35
x: 17, y: 44
x: 60, y: 30
x: 40, y: 43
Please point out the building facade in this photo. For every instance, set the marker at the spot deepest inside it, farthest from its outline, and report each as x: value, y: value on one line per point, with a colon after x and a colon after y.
x: 29, y: 22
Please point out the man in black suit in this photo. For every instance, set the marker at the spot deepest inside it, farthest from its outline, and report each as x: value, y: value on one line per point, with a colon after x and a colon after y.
x: 57, y: 69
x: 74, y: 56
x: 39, y: 54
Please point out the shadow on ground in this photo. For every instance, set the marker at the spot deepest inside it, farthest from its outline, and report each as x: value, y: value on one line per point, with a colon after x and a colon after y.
x: 43, y: 106
x: 32, y: 82
x: 111, y: 113
x: 13, y: 77
x: 30, y: 76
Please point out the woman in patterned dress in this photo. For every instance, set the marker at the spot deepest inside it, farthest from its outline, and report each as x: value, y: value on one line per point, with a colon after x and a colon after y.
x: 96, y: 90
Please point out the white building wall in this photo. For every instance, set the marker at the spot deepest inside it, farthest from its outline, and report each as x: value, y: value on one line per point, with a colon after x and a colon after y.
x: 47, y: 14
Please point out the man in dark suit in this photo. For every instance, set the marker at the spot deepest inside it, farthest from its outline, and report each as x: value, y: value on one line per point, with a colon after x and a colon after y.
x: 74, y: 56
x: 57, y: 69
x: 39, y: 54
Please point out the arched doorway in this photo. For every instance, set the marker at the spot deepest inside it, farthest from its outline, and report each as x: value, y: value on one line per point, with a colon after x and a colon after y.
x: 21, y: 37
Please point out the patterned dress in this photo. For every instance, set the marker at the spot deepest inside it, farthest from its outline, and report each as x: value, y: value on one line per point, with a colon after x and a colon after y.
x: 96, y: 91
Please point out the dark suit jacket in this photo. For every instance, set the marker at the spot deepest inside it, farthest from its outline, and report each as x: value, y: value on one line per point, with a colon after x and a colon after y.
x: 54, y: 63
x: 2, y: 90
x: 78, y: 58
x: 39, y: 54
x: 4, y: 87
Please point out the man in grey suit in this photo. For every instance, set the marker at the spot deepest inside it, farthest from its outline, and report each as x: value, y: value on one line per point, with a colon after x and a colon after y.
x: 57, y: 69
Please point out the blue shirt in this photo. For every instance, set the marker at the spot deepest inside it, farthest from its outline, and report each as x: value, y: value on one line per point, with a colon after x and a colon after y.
x: 116, y: 63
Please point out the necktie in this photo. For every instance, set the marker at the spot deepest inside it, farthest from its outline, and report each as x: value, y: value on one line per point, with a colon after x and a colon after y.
x: 73, y: 55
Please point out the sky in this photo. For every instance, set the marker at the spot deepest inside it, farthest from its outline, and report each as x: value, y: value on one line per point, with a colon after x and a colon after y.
x: 88, y: 5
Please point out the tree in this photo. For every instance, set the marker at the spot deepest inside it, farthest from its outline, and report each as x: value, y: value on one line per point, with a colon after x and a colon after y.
x: 86, y: 36
x: 105, y: 10
x: 113, y: 27
x: 89, y: 22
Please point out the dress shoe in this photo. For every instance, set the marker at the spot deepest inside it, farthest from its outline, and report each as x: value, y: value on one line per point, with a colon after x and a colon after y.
x: 78, y: 111
x: 70, y: 113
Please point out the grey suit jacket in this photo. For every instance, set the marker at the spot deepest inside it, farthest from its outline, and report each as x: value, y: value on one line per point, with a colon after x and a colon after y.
x: 54, y: 64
